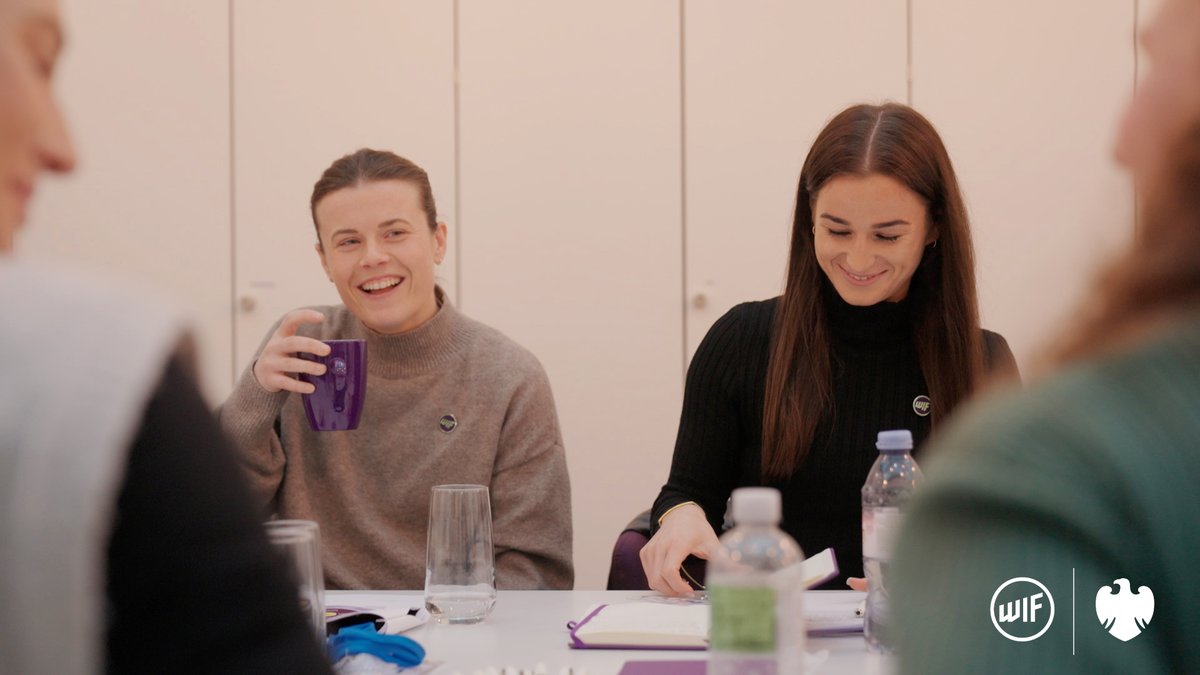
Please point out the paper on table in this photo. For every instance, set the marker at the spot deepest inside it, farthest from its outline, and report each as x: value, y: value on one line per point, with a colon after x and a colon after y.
x: 833, y: 612
x: 392, y: 619
x: 654, y: 624
x: 680, y: 623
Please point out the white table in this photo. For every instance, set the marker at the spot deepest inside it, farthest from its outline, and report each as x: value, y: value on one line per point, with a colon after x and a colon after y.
x: 530, y: 627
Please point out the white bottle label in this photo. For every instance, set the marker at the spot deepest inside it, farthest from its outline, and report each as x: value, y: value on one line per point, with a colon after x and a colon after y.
x: 879, y: 528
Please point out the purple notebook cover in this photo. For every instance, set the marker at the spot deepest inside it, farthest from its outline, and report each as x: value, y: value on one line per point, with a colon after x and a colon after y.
x: 664, y: 668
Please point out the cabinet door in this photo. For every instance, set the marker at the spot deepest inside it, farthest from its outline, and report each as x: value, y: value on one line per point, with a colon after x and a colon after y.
x: 761, y: 79
x: 1027, y: 95
x: 570, y: 230
x: 313, y: 81
x: 145, y: 89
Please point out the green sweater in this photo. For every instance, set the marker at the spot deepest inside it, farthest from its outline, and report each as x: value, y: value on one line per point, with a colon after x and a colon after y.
x: 1088, y: 478
x: 369, y: 488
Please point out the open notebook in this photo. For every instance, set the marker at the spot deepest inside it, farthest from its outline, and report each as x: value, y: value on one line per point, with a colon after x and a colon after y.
x: 656, y: 622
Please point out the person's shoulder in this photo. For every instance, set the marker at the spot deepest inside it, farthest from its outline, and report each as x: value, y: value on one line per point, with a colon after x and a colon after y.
x: 1142, y: 380
x: 45, y: 304
x: 1158, y: 379
x: 745, y: 320
x: 993, y: 340
x: 1002, y: 415
x: 1086, y: 413
x: 55, y: 290
x: 495, y: 346
x: 998, y: 357
x: 753, y: 312
x: 994, y: 345
x: 738, y: 342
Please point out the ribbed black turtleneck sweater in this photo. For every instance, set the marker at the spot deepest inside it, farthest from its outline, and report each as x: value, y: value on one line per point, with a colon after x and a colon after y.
x: 876, y: 377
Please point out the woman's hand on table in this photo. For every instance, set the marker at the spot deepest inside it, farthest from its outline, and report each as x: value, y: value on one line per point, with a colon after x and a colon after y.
x: 684, y: 531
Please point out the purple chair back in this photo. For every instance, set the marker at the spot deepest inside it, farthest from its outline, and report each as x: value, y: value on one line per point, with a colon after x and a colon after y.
x: 626, y: 573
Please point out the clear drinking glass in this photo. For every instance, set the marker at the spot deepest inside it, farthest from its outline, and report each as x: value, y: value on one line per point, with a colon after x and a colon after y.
x: 460, y: 568
x: 300, y: 542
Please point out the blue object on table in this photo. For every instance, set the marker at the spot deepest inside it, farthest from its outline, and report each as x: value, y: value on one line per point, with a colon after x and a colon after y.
x: 364, y: 639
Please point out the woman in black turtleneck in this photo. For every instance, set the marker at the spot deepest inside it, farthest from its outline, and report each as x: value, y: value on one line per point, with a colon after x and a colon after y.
x: 878, y: 328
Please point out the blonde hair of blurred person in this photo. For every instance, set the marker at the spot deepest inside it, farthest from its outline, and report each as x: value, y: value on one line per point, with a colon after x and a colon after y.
x: 123, y: 519
x: 1087, y: 481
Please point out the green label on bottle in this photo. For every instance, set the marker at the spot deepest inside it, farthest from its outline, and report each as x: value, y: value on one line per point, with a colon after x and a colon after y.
x: 743, y: 619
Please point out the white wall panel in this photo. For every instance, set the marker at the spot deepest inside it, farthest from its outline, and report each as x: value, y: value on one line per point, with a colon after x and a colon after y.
x: 761, y: 79
x: 570, y: 184
x: 1027, y: 95
x: 145, y: 87
x: 314, y: 81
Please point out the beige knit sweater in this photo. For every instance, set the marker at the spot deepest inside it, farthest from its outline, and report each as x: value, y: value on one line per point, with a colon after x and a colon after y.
x: 369, y: 488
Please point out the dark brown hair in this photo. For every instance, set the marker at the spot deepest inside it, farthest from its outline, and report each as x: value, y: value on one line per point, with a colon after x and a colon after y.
x: 1157, y: 277
x: 891, y: 140
x: 365, y: 166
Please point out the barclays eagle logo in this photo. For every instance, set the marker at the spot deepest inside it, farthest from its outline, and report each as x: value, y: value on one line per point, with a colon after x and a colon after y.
x: 1124, y: 614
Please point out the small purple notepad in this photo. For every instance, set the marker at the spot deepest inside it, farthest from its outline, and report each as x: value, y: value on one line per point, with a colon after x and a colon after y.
x: 664, y: 668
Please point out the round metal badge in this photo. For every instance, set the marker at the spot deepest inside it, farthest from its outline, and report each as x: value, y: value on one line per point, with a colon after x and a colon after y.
x: 922, y: 405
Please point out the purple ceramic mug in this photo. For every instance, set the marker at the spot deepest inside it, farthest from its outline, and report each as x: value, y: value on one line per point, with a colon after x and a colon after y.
x: 338, y: 400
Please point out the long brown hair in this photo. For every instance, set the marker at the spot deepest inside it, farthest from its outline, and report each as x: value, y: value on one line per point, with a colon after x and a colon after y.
x: 1157, y: 278
x: 367, y: 165
x: 897, y: 141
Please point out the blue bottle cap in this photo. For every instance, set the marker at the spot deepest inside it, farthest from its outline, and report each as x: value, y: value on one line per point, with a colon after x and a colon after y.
x: 897, y: 439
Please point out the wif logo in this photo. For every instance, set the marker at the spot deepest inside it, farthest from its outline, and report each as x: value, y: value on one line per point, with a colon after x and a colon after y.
x: 1124, y: 614
x: 922, y: 405
x: 1022, y: 609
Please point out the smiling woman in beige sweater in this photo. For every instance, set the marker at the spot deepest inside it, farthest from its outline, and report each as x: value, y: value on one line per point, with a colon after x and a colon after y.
x: 449, y: 400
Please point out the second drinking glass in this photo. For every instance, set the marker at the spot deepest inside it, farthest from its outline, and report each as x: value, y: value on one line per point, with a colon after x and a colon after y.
x: 460, y: 569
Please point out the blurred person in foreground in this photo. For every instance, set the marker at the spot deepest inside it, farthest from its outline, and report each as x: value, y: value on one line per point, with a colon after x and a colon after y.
x: 128, y: 542
x: 1087, y: 483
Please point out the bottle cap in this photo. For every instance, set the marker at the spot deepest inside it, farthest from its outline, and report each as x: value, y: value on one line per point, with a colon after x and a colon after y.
x: 756, y: 506
x: 898, y: 439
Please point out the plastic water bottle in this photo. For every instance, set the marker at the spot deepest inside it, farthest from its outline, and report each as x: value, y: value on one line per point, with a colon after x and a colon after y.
x: 890, y: 484
x: 755, y: 585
